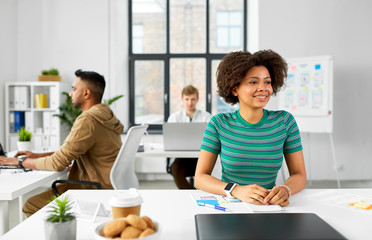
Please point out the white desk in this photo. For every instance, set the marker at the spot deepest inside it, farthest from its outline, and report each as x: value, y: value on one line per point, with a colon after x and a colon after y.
x: 167, y: 154
x: 15, y: 185
x: 175, y: 210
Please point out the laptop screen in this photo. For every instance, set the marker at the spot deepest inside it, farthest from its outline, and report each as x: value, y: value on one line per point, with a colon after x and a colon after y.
x: 183, y: 136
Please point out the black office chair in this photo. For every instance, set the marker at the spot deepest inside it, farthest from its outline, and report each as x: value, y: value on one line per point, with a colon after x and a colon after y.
x: 74, y: 182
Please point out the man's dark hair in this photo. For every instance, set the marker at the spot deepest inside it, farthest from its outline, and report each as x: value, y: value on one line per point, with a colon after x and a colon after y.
x: 96, y: 83
x: 234, y: 66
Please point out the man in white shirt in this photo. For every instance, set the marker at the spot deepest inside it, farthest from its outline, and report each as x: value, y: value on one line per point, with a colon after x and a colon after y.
x: 185, y: 167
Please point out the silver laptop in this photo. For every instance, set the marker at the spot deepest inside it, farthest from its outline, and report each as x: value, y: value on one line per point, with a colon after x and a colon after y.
x: 182, y: 136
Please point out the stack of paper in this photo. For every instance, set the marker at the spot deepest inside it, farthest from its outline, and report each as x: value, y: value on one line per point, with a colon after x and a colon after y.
x: 265, y: 208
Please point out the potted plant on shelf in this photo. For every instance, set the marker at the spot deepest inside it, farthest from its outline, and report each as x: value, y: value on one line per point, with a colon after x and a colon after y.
x: 24, y: 140
x: 61, y: 223
x: 50, y: 75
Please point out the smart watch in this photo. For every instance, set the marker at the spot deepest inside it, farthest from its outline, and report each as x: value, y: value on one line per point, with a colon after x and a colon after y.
x: 229, y: 188
x: 20, y: 160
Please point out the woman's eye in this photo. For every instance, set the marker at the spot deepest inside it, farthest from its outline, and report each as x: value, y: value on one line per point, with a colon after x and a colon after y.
x: 268, y: 82
x: 253, y: 82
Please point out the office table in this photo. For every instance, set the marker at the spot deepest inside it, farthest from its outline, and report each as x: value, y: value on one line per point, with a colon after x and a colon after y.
x: 15, y: 185
x: 160, y: 152
x: 175, y: 210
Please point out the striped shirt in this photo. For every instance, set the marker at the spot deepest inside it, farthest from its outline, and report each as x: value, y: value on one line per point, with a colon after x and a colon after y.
x: 252, y: 153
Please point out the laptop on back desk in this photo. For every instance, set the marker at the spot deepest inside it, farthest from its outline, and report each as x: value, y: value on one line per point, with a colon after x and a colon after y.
x: 181, y: 136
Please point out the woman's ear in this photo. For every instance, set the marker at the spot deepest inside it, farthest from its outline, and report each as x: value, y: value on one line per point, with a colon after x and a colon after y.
x: 234, y: 92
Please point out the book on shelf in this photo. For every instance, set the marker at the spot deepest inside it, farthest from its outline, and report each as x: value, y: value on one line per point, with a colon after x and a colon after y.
x: 21, y: 97
x: 11, y: 122
x: 19, y: 120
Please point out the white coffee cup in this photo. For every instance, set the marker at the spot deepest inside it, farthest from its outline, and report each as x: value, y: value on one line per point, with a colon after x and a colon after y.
x: 126, y: 202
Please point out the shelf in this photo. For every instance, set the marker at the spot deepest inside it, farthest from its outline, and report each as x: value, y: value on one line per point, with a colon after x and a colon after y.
x: 20, y: 109
x: 20, y: 97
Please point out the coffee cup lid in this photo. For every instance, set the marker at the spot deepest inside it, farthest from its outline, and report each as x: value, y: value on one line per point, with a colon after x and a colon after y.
x: 126, y: 198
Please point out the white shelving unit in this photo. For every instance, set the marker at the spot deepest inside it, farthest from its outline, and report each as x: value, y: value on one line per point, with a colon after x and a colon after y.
x: 47, y: 132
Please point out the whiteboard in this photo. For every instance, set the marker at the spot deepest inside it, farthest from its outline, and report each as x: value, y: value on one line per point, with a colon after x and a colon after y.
x: 308, y: 93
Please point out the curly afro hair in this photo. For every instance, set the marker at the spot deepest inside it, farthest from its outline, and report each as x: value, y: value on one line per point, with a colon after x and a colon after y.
x: 234, y: 67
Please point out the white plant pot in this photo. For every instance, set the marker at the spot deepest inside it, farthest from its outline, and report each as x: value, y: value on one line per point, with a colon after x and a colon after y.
x: 24, y: 146
x: 60, y: 231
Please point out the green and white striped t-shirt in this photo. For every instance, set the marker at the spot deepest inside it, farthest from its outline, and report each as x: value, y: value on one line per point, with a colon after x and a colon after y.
x: 252, y: 153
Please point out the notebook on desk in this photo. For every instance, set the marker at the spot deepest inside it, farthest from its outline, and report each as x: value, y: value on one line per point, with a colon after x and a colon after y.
x: 263, y: 226
x: 183, y: 136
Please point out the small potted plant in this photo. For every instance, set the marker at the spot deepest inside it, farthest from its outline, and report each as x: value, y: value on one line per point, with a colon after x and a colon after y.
x: 50, y: 75
x: 61, y: 223
x: 24, y: 140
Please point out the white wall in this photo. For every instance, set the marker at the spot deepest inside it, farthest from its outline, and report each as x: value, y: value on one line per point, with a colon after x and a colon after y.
x: 8, y: 46
x: 340, y: 28
x: 92, y: 34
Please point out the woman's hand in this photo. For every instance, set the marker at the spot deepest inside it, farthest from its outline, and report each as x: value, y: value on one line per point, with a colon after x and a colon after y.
x: 277, y: 196
x: 251, y: 193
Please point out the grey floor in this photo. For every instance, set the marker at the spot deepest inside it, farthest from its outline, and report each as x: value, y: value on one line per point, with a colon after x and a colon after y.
x: 313, y: 184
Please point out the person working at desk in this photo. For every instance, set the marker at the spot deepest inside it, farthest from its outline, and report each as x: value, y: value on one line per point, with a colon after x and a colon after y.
x: 93, y: 142
x: 252, y: 140
x: 185, y: 167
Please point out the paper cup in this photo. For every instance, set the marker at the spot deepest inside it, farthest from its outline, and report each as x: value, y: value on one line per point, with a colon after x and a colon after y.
x: 126, y: 202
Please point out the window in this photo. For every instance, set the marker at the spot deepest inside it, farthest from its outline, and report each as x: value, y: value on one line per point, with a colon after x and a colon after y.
x: 174, y: 43
x: 229, y: 29
x: 138, y: 38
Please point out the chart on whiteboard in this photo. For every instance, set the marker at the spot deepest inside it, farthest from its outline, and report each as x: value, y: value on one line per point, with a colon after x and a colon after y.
x: 308, y: 87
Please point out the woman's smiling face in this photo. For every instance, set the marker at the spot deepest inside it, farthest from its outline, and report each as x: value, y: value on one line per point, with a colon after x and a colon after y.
x: 255, y: 89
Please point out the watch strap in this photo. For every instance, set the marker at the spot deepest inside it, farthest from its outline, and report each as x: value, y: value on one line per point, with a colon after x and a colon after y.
x: 229, y: 188
x: 20, y: 161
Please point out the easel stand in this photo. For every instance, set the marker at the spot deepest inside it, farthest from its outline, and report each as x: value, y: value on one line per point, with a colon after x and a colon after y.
x: 333, y: 158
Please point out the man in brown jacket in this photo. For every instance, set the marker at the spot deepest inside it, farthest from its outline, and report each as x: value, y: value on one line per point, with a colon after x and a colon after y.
x: 92, y: 144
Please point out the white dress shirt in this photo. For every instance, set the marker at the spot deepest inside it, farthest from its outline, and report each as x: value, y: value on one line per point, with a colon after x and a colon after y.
x: 181, y: 116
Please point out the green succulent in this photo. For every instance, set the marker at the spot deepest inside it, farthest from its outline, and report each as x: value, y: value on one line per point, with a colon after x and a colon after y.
x: 24, y: 135
x: 52, y: 71
x: 60, y: 211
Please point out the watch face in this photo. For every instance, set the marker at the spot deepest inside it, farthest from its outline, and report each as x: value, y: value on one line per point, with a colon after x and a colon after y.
x: 229, y: 186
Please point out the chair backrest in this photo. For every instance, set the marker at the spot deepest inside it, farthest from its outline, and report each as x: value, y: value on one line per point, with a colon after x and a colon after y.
x: 122, y: 175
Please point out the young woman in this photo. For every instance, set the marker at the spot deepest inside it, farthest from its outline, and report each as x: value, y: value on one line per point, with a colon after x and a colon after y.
x: 252, y: 141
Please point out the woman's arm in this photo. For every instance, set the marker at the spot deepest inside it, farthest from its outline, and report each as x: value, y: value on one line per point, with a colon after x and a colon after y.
x: 203, y: 178
x: 279, y: 195
x: 206, y: 182
x: 296, y: 166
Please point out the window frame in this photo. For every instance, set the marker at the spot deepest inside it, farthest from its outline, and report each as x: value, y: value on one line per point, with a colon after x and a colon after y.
x: 208, y: 56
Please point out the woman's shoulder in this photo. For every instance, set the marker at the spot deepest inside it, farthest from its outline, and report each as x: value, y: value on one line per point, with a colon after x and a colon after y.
x: 225, y: 116
x: 272, y: 114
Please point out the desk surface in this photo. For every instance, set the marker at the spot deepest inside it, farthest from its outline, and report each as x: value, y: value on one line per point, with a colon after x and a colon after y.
x: 14, y: 185
x: 175, y: 210
x: 160, y: 152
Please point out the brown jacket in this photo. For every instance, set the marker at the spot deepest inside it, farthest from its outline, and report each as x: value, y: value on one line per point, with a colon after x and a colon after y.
x: 94, y: 142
